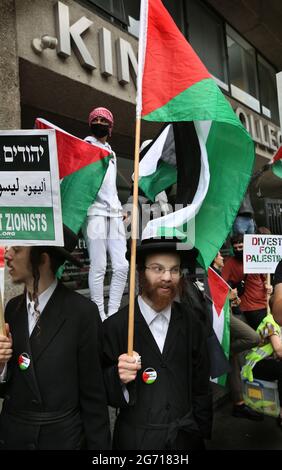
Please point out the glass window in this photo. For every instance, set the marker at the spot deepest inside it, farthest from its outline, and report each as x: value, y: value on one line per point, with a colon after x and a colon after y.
x: 132, y: 12
x: 114, y: 7
x: 207, y: 37
x: 242, y: 68
x: 176, y: 12
x: 128, y: 12
x: 268, y: 90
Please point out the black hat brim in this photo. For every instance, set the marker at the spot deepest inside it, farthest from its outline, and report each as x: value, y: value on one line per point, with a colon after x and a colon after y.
x: 62, y: 252
x: 148, y: 247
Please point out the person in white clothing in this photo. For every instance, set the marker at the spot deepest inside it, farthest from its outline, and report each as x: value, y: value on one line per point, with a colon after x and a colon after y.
x: 104, y: 230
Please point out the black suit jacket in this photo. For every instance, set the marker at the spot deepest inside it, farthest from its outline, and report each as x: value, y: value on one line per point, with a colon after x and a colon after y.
x: 64, y: 374
x: 174, y: 411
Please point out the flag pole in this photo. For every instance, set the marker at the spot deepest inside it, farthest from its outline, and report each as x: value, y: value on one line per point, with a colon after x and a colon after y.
x: 268, y: 280
x: 134, y: 220
x: 134, y: 226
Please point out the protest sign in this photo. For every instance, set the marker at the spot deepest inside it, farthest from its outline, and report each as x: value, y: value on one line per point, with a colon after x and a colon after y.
x: 262, y: 253
x: 30, y: 205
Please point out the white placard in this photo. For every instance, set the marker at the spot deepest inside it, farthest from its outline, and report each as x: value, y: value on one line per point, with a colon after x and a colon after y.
x: 262, y: 253
x: 30, y: 203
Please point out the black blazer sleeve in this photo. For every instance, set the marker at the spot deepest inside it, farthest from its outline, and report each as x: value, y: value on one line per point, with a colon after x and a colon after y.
x: 93, y: 404
x: 10, y: 311
x: 201, y: 389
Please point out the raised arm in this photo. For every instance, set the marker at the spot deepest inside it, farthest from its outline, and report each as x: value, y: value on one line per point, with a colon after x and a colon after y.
x: 277, y: 303
x: 277, y: 298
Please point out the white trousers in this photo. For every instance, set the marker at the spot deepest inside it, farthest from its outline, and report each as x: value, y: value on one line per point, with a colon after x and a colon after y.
x: 102, y: 235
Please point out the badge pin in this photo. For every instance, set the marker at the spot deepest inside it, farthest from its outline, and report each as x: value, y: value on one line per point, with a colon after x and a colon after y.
x: 149, y: 375
x: 24, y: 361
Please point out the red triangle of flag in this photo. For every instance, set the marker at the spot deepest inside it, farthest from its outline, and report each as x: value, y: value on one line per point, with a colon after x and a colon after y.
x: 73, y: 153
x: 171, y: 65
x: 278, y: 155
x: 218, y: 289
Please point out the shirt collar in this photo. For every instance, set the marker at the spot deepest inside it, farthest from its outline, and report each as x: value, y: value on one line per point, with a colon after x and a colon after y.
x: 44, y: 297
x: 150, y: 314
x: 91, y: 139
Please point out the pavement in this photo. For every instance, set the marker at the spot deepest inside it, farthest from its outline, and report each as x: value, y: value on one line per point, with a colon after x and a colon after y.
x: 231, y: 433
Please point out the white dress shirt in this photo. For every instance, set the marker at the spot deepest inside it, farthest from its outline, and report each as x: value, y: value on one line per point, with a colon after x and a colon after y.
x: 157, y: 322
x: 43, y: 298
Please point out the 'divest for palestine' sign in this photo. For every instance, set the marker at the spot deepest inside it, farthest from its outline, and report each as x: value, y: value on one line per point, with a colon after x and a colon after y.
x: 262, y: 253
x: 30, y: 204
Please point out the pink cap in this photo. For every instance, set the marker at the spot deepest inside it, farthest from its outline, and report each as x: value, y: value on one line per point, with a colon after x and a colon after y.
x: 102, y: 112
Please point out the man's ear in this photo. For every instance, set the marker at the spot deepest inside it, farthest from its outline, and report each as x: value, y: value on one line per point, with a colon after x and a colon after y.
x: 44, y: 259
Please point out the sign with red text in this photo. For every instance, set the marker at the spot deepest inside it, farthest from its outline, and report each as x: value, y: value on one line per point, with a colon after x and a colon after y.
x: 262, y: 253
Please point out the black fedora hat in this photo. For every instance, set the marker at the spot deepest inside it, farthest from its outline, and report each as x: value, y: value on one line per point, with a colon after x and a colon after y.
x: 164, y: 245
x: 70, y: 242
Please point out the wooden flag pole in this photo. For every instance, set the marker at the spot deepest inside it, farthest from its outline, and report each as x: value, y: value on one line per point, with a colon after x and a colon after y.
x: 2, y: 318
x: 268, y: 296
x: 134, y: 225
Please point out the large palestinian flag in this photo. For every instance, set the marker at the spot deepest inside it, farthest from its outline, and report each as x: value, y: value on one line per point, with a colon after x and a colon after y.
x: 219, y: 290
x: 174, y: 86
x: 83, y: 167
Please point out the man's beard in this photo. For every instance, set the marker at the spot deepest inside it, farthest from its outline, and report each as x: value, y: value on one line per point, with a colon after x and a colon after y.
x: 159, y: 300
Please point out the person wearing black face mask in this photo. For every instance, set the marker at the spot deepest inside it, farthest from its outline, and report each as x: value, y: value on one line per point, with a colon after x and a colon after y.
x: 100, y: 130
x: 238, y: 254
x: 104, y: 230
x: 252, y: 288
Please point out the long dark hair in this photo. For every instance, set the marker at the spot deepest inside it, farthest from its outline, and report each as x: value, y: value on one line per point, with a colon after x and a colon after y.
x: 35, y: 258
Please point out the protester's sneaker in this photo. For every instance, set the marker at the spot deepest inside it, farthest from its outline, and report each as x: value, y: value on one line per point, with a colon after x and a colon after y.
x: 244, y: 411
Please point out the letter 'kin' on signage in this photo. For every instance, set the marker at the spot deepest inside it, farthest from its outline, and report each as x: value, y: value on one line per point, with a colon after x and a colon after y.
x: 263, y: 134
x: 124, y: 53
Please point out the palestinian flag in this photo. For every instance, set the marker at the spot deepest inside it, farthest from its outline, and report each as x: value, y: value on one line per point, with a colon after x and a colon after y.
x: 277, y: 163
x: 219, y: 290
x: 175, y: 87
x: 83, y: 167
x: 165, y: 163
